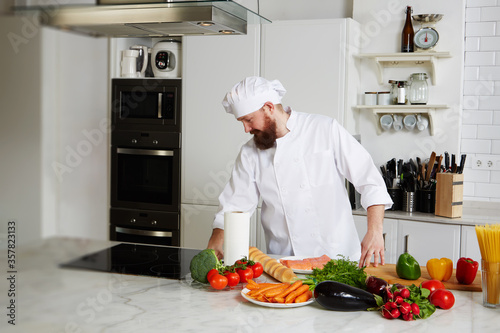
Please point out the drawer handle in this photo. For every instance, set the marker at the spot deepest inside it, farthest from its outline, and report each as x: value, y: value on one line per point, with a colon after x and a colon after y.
x: 152, y: 233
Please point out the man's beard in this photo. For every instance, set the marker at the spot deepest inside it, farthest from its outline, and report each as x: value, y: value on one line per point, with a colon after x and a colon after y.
x: 266, y: 138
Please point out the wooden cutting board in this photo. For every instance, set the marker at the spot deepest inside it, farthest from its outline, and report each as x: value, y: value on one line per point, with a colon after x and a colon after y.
x: 388, y: 273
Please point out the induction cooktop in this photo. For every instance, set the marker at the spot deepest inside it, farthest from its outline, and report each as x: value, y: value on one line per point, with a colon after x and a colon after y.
x: 138, y: 259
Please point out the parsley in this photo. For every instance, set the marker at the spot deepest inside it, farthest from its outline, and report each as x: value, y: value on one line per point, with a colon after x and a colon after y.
x: 341, y: 270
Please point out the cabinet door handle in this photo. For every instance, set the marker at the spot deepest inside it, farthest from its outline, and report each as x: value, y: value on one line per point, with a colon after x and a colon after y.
x: 406, y: 243
x: 160, y: 105
x: 383, y: 235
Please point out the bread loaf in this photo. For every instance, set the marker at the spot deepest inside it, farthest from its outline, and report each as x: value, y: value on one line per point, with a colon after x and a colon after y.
x: 271, y: 266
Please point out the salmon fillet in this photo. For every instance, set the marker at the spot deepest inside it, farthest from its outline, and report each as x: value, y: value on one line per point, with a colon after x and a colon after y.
x: 307, y: 264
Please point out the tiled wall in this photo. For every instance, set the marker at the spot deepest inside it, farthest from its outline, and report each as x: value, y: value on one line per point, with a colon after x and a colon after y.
x: 481, y: 103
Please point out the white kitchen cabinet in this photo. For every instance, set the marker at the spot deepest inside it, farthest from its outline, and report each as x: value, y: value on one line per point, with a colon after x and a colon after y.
x: 390, y: 236
x: 211, y: 138
x: 319, y: 74
x: 469, y: 246
x: 429, y: 240
x: 196, y: 226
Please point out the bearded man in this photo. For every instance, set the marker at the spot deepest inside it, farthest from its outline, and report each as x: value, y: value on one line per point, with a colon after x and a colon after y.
x: 297, y: 164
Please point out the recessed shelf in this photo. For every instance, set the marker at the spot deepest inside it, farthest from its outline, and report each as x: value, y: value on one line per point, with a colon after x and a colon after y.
x: 428, y: 109
x: 425, y: 59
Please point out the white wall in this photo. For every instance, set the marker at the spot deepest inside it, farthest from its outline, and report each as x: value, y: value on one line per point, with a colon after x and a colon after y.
x: 53, y: 135
x: 381, y: 25
x: 20, y: 133
x: 481, y: 119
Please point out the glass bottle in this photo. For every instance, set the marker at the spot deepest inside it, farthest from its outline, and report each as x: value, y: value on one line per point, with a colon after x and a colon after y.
x: 407, y: 33
x: 419, y: 90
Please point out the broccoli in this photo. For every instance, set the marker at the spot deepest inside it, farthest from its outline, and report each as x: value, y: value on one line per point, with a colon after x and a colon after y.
x: 202, y: 263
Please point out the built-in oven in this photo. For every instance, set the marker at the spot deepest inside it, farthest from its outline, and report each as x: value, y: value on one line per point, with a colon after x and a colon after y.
x: 145, y: 163
x: 141, y: 103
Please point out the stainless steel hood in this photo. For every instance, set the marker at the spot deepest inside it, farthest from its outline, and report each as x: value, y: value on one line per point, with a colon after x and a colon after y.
x: 113, y: 18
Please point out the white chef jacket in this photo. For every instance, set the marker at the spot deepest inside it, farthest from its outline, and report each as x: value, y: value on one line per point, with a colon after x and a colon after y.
x: 305, y: 206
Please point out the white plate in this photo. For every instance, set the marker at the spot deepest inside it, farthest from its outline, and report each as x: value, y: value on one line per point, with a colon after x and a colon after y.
x: 274, y: 305
x: 298, y: 271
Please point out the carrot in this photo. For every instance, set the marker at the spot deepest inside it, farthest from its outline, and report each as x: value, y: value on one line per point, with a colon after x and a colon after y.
x: 288, y: 290
x: 257, y: 286
x: 303, y: 297
x: 278, y: 299
x: 276, y: 291
x: 291, y: 296
x: 263, y: 290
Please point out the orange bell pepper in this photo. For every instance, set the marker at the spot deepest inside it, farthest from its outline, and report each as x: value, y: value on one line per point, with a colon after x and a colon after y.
x: 440, y: 269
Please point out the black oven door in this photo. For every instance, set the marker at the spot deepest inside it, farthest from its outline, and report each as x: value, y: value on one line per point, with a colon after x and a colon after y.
x: 146, y: 102
x: 145, y: 178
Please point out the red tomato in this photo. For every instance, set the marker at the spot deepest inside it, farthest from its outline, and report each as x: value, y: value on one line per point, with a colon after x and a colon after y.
x: 257, y: 269
x: 218, y: 281
x: 245, y: 274
x: 241, y: 262
x: 442, y: 298
x: 211, y: 273
x: 232, y: 278
x: 432, y: 285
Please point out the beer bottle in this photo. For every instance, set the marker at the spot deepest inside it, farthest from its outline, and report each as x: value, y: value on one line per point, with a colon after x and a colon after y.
x: 408, y: 33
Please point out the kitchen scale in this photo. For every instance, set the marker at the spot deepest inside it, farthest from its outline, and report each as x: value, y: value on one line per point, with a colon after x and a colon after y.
x: 427, y: 36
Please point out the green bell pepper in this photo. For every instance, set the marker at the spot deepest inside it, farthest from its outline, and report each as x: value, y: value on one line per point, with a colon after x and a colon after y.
x: 407, y: 267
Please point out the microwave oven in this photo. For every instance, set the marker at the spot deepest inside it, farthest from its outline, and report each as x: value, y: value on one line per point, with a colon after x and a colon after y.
x: 146, y: 103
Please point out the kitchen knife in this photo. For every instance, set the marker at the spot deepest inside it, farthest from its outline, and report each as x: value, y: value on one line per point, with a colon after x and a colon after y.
x: 462, y: 163
x: 446, y: 161
x: 430, y: 166
x: 452, y: 162
x: 440, y: 161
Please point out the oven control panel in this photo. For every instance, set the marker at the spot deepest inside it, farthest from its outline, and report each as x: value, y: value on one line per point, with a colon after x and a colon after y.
x: 146, y: 139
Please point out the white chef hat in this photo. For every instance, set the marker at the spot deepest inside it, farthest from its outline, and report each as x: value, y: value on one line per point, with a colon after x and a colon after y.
x: 251, y: 94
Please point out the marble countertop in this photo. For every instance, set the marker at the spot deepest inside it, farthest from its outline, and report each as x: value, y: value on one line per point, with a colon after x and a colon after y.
x: 474, y: 212
x: 51, y: 299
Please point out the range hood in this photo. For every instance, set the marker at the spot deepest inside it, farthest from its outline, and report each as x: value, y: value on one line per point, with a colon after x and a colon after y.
x: 148, y: 18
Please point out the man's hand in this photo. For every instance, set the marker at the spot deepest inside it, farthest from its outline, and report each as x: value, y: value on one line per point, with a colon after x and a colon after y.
x: 373, y: 242
x: 216, y: 242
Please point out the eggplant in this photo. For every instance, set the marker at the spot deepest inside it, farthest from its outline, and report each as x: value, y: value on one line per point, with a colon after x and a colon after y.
x: 336, y: 296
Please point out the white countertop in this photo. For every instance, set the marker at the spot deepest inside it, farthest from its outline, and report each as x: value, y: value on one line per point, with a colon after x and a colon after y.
x: 51, y: 299
x: 473, y: 212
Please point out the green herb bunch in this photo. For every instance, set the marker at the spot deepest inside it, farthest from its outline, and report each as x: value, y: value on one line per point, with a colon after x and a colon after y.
x: 341, y: 270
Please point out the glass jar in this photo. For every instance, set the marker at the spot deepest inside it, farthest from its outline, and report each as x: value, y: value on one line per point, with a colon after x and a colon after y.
x: 394, y: 91
x: 419, y: 91
x: 402, y: 92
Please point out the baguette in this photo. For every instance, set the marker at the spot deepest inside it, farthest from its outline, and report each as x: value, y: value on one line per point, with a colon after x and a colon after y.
x: 271, y: 266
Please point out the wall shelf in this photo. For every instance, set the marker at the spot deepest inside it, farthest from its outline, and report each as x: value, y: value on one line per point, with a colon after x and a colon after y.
x: 428, y: 109
x: 412, y: 59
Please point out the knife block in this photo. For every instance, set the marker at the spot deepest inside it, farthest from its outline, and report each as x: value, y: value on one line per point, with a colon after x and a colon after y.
x: 449, y: 194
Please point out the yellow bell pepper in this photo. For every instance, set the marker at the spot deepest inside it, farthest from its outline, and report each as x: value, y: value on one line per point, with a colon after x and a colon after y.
x: 440, y: 269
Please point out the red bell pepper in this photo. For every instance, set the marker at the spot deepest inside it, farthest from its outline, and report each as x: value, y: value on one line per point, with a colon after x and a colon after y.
x: 466, y: 270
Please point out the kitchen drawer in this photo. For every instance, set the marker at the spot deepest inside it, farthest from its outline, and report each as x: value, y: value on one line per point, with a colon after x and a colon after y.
x: 429, y: 240
x: 390, y: 236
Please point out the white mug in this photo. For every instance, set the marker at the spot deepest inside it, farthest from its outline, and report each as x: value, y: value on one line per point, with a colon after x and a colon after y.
x: 397, y: 122
x: 386, y: 122
x: 409, y: 122
x: 422, y: 122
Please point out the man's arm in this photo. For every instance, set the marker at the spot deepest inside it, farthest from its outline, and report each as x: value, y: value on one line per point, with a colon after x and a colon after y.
x: 373, y: 242
x: 216, y: 242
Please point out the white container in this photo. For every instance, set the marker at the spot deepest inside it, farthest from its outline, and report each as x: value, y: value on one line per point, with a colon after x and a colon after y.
x: 384, y: 98
x: 397, y: 122
x: 370, y: 98
x: 410, y: 121
x: 166, y: 59
x: 386, y: 122
x: 129, y: 63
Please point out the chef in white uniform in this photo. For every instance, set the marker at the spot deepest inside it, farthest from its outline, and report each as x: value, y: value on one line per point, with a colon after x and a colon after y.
x: 296, y: 164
